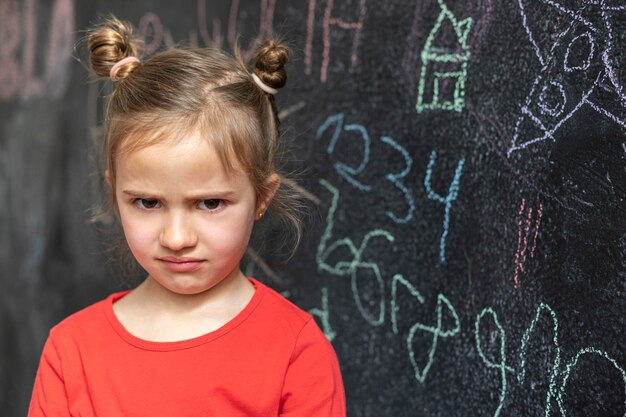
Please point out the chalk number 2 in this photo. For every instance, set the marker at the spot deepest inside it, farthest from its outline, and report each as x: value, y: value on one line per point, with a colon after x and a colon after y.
x: 350, y: 173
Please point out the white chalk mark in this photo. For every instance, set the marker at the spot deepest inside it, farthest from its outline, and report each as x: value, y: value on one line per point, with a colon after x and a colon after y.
x: 529, y: 32
x: 548, y: 105
x: 587, y: 62
x: 574, y: 15
x: 580, y: 200
x: 557, y: 107
x: 606, y: 113
x: 283, y: 114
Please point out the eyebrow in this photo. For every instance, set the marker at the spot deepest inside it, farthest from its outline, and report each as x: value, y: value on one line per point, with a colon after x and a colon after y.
x: 206, y: 195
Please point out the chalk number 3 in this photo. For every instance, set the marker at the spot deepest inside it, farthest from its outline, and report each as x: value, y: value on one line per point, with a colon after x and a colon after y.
x: 350, y: 173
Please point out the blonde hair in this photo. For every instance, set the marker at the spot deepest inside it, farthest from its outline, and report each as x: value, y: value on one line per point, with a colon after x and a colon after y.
x: 184, y: 90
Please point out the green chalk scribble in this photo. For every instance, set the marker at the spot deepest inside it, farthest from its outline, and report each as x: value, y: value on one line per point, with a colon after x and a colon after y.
x: 444, y: 64
x: 324, y: 316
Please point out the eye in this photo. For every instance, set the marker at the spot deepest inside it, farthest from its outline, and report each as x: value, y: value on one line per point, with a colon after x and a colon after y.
x: 147, y: 203
x: 212, y: 204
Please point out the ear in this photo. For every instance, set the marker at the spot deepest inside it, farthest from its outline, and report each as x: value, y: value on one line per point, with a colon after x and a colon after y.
x: 272, y: 183
x: 107, y: 178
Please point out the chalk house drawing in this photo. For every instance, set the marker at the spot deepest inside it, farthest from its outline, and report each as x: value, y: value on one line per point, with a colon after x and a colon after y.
x: 444, y: 68
x: 574, y: 70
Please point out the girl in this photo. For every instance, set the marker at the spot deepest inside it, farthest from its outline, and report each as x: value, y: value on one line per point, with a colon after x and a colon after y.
x: 191, y: 139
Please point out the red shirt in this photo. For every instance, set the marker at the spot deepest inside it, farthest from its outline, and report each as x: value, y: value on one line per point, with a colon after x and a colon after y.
x: 270, y: 360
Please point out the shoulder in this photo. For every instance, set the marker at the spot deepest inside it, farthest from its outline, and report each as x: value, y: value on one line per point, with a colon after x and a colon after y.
x: 283, y: 314
x: 87, y: 320
x: 281, y: 304
x: 306, y: 338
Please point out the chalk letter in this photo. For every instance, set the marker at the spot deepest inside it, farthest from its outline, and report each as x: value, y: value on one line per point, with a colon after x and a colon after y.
x: 502, y: 360
x: 265, y: 25
x: 329, y: 21
x: 420, y: 374
x: 557, y: 360
x: 574, y: 362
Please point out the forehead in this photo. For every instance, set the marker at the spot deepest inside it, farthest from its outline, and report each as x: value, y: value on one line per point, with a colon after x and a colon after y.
x: 166, y: 131
x: 189, y: 161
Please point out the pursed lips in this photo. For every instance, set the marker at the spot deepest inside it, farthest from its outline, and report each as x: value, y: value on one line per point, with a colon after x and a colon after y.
x: 181, y: 264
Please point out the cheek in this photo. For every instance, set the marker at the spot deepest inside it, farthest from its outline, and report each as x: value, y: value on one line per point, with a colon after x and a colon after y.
x: 139, y: 235
x: 232, y: 238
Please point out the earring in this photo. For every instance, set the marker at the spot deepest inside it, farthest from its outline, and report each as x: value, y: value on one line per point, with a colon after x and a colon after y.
x: 259, y: 215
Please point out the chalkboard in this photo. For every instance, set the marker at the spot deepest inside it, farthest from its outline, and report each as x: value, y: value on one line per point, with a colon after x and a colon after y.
x: 465, y: 165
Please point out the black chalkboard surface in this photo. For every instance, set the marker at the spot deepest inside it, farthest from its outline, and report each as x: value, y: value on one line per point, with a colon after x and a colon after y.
x: 466, y: 167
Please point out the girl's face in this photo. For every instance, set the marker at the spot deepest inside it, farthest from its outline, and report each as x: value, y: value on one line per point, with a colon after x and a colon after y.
x: 187, y: 221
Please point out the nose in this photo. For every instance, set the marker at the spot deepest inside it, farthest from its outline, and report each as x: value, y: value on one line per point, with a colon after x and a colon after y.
x: 178, y: 232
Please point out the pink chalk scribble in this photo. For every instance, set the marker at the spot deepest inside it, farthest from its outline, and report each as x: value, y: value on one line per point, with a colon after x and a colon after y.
x: 310, y: 23
x: 216, y: 40
x: 329, y: 21
x: 266, y: 28
x: 10, y: 32
x: 523, y: 233
x: 150, y: 26
x: 19, y: 47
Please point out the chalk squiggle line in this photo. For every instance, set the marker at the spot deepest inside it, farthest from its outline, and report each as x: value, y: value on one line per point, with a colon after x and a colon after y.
x: 324, y: 315
x: 420, y: 374
x: 552, y: 390
x: 351, y: 267
x: 502, y: 365
x: 574, y: 362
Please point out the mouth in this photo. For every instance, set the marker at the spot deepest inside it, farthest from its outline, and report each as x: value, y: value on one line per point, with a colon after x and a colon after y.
x: 181, y: 264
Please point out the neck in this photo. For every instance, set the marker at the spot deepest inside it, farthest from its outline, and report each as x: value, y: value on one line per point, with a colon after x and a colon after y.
x: 233, y: 291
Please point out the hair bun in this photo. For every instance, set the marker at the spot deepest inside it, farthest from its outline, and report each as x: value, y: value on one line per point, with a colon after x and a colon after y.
x: 269, y: 63
x: 108, y: 44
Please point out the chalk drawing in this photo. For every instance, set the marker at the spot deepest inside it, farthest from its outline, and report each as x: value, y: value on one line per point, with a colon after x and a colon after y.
x: 352, y: 267
x: 523, y: 233
x: 395, y: 309
x: 444, y: 65
x: 308, y: 44
x: 266, y: 30
x: 453, y: 192
x: 216, y: 40
x: 150, y: 27
x: 17, y: 76
x: 324, y: 315
x: 552, y: 387
x: 574, y: 362
x: 283, y: 114
x: 437, y: 332
x: 342, y: 169
x: 501, y: 364
x: 396, y: 179
x: 555, y: 390
x: 211, y: 41
x: 577, y: 62
x: 349, y: 173
x: 330, y: 21
x: 10, y: 33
